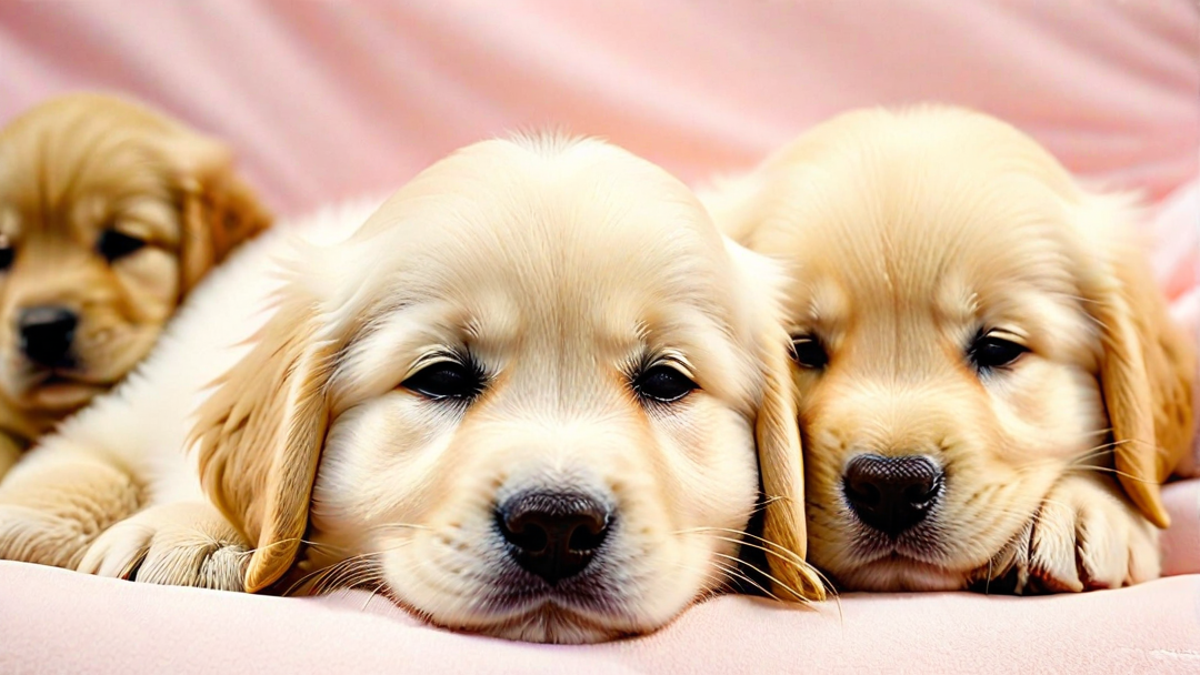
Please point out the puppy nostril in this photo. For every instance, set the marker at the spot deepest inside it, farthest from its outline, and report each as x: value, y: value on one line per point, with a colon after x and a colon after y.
x: 587, y: 536
x: 919, y: 493
x: 552, y: 534
x: 862, y: 492
x: 892, y: 494
x: 522, y: 534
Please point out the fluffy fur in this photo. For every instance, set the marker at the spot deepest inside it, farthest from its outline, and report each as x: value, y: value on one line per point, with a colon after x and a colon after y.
x: 563, y: 270
x: 110, y: 213
x: 913, y: 235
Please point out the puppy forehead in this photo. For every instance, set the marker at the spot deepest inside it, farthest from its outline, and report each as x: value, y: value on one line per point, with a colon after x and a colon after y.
x: 920, y: 221
x: 556, y: 223
x: 65, y: 160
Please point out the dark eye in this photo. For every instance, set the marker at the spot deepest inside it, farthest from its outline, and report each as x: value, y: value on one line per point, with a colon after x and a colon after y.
x: 990, y: 351
x: 7, y: 253
x: 114, y: 245
x: 809, y: 352
x: 663, y: 384
x: 447, y: 379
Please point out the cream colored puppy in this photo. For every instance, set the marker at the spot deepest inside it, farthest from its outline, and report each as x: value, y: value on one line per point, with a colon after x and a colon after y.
x: 990, y: 386
x: 522, y: 399
x: 110, y: 213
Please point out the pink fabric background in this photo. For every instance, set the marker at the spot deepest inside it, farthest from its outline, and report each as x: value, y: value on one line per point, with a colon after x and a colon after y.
x: 330, y: 99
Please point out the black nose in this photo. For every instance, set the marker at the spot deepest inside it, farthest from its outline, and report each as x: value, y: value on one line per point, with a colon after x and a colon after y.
x: 46, y: 334
x: 553, y: 534
x: 892, y: 494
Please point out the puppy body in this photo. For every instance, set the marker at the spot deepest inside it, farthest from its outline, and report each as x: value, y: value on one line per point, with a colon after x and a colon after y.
x: 109, y: 214
x: 535, y: 322
x: 963, y: 310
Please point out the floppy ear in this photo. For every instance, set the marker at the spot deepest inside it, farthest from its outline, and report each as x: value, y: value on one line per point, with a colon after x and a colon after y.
x: 1147, y: 366
x: 217, y: 210
x: 260, y: 437
x: 777, y: 436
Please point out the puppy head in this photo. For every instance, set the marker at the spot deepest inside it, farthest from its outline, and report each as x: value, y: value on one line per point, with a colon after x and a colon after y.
x: 109, y: 213
x: 968, y: 326
x: 521, y: 400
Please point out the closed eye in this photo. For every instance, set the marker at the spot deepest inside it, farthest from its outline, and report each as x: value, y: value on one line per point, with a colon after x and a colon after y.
x: 7, y: 253
x: 114, y: 245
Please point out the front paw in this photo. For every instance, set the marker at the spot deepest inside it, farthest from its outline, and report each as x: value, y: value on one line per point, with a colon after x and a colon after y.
x: 1085, y: 536
x: 182, y: 544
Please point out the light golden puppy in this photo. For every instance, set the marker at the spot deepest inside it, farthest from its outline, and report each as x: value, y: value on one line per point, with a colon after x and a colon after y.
x: 983, y: 358
x: 523, y: 399
x: 109, y: 214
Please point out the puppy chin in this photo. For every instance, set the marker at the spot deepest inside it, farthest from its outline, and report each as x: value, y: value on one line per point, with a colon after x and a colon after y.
x: 47, y: 391
x: 581, y: 611
x: 552, y: 625
x: 475, y: 589
x: 901, y: 575
x: 61, y: 394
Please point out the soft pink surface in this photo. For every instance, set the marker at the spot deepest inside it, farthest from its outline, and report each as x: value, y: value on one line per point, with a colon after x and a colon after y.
x: 329, y: 99
x: 53, y: 621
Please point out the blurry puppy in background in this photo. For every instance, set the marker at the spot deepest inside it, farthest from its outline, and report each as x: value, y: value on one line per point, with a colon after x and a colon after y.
x: 990, y: 389
x: 525, y: 399
x: 109, y: 214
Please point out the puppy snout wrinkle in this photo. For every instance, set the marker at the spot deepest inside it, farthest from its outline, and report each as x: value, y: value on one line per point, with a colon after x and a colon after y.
x: 892, y: 494
x: 553, y: 534
x: 46, y: 333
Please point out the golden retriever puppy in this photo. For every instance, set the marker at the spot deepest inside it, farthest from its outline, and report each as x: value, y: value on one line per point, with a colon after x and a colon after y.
x: 109, y: 214
x: 524, y: 399
x: 989, y: 383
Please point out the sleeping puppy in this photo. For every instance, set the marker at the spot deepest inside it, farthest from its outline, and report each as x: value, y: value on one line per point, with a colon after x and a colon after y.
x: 991, y: 391
x: 523, y: 400
x: 109, y: 214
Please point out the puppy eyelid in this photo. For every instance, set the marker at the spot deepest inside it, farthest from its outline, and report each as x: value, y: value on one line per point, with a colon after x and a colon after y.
x: 435, y: 357
x: 1003, y: 334
x: 671, y: 360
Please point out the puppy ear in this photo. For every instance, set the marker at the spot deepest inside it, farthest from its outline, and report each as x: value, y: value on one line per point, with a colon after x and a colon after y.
x: 260, y: 435
x: 218, y: 210
x: 1147, y: 366
x: 777, y: 436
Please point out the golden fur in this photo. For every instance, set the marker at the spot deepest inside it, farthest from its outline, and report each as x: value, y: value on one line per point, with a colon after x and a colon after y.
x: 72, y: 171
x: 562, y: 272
x: 911, y: 236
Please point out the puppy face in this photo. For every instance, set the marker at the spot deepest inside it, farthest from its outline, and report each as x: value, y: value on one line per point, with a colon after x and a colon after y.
x: 956, y: 309
x: 108, y: 214
x: 536, y: 370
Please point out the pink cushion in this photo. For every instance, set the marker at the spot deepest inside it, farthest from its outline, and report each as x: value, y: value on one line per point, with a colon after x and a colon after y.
x: 53, y: 620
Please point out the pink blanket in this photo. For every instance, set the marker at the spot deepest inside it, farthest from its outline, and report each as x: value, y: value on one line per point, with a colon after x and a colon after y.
x: 53, y: 620
x: 329, y: 99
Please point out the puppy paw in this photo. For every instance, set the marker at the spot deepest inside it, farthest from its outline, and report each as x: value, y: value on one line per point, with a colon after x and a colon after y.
x: 1085, y: 536
x: 31, y: 535
x: 49, y: 515
x: 182, y: 544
